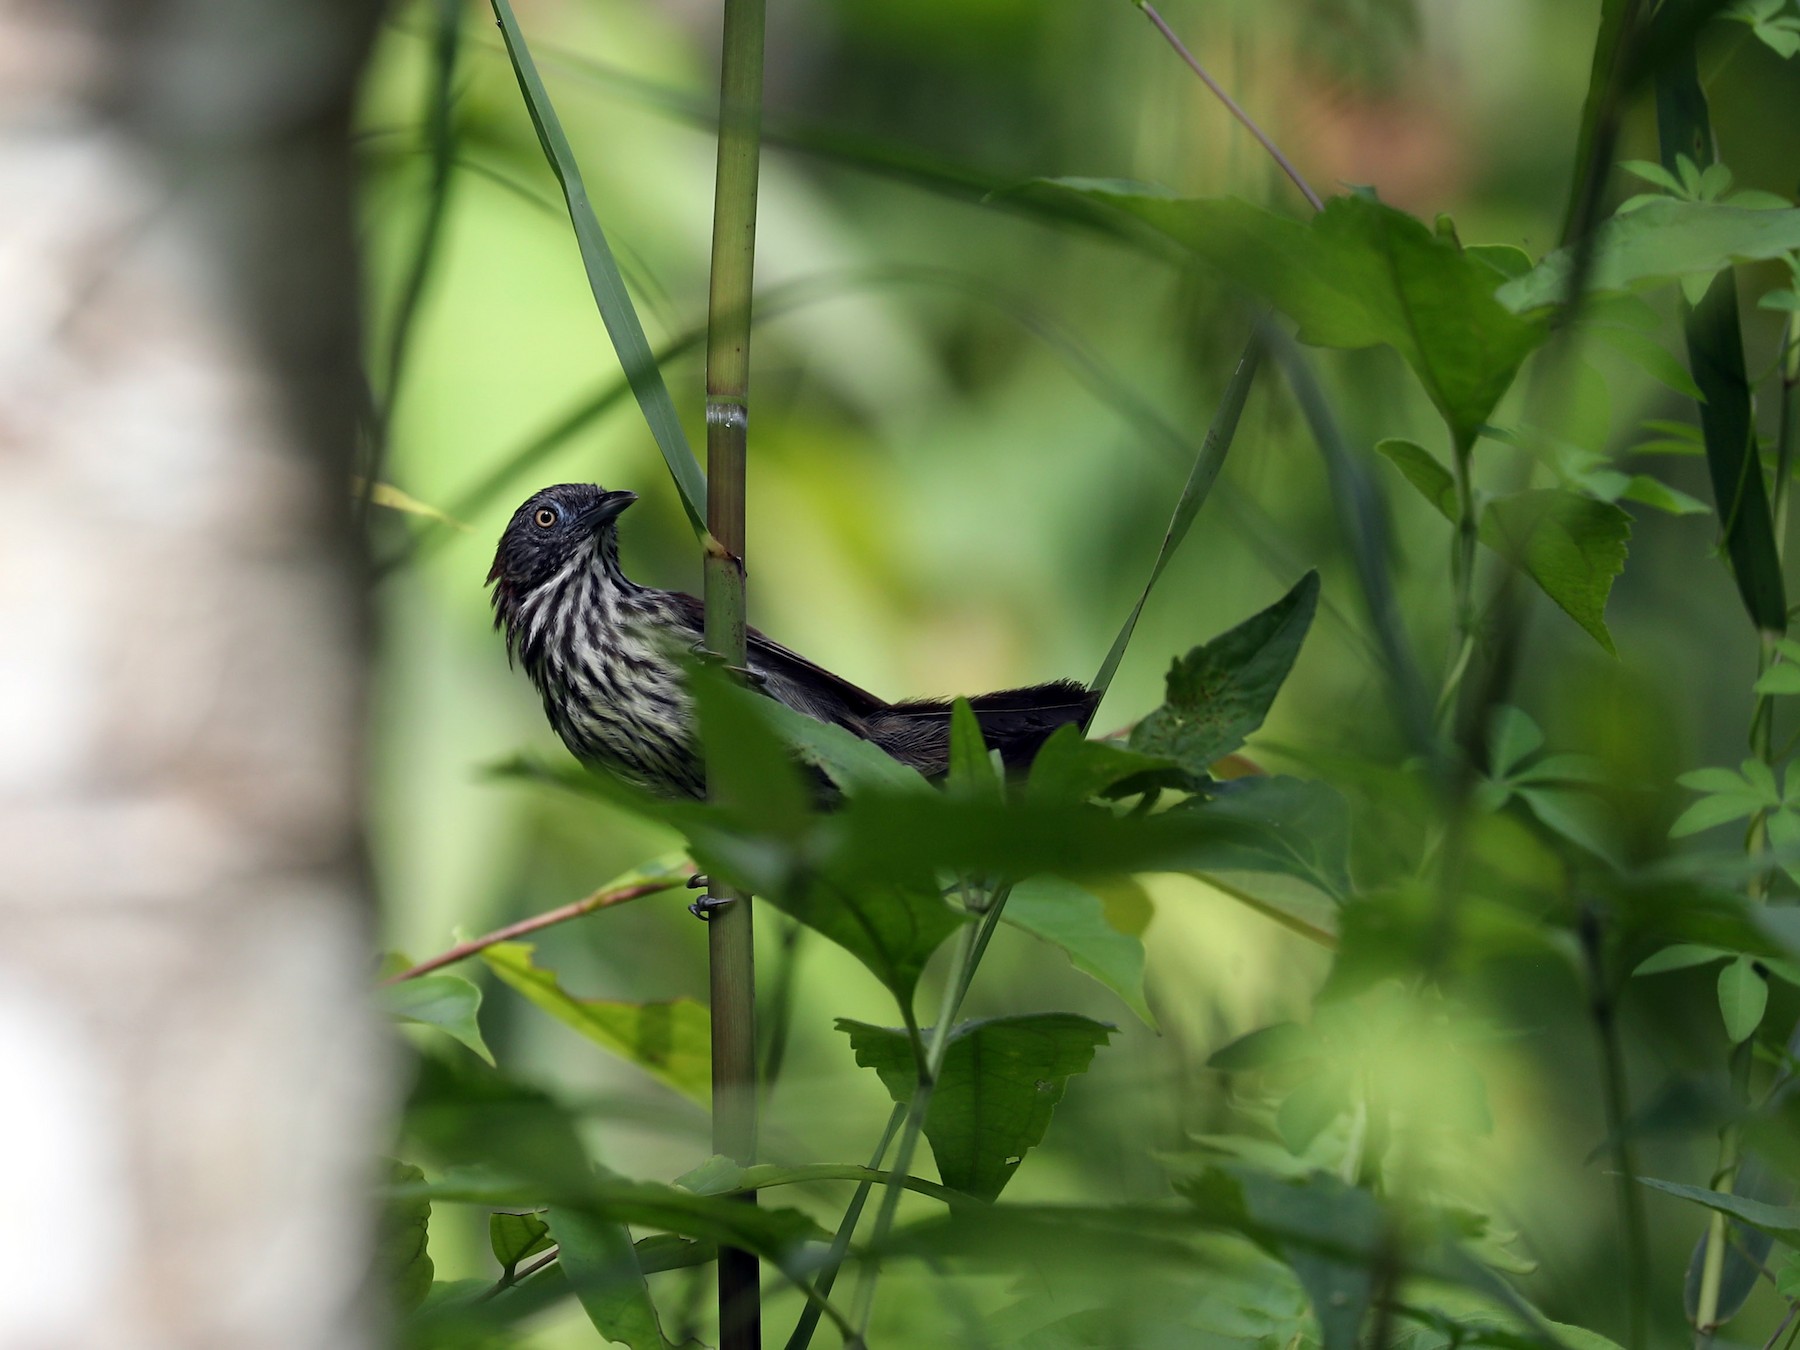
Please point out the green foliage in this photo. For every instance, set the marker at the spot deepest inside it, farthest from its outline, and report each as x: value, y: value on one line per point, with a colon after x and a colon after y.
x: 608, y: 286
x: 1000, y: 1081
x: 602, y: 1267
x: 403, y: 1256
x: 447, y: 1002
x: 1360, y: 274
x: 513, y: 1237
x: 1662, y: 242
x: 1573, y: 546
x: 1220, y: 692
x: 1074, y: 918
x: 671, y: 1041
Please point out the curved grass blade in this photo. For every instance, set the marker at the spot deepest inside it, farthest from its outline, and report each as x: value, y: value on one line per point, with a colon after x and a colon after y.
x: 616, y: 309
x: 1200, y: 481
x: 1716, y: 356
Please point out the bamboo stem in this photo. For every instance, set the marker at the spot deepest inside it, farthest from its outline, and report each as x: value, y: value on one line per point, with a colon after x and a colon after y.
x: 731, y: 938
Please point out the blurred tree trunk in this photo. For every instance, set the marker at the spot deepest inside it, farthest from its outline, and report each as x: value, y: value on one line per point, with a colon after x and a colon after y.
x: 194, y: 1082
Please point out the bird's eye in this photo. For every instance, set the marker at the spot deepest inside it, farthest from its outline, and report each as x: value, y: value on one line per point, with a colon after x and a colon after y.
x: 546, y: 518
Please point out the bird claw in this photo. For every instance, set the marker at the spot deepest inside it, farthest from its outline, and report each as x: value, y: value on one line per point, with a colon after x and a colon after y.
x: 706, y: 906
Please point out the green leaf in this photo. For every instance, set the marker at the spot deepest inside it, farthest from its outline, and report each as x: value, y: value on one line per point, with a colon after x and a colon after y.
x: 1360, y: 274
x: 1328, y: 1232
x: 1714, y: 780
x: 1743, y: 998
x: 1571, y: 546
x: 1207, y: 463
x: 1781, y: 1222
x: 852, y: 763
x: 748, y: 768
x: 1267, y: 1047
x: 1715, y: 347
x: 447, y: 1002
x: 1071, y: 768
x: 514, y: 1236
x: 1680, y: 956
x: 670, y: 1041
x: 1660, y: 242
x: 1313, y: 1104
x: 403, y: 1257
x: 1300, y: 827
x: 1220, y: 692
x: 1781, y: 679
x: 1074, y: 918
x: 597, y: 1256
x: 1649, y: 355
x: 1512, y: 738
x: 1000, y: 1081
x: 616, y: 309
x: 972, y: 776
x: 1658, y: 495
x: 1420, y: 468
x: 1578, y: 816
x: 1711, y: 811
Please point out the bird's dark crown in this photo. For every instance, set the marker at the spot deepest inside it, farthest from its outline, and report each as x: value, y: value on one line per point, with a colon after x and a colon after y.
x: 551, y: 527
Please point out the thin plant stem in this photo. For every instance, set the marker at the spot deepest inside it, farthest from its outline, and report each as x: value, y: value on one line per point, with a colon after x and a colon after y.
x: 602, y: 899
x: 1219, y: 93
x: 731, y: 938
x: 971, y: 946
x: 1616, y: 1097
x: 840, y: 1242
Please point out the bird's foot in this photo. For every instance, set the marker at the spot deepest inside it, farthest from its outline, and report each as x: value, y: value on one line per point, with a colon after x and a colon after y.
x: 707, y: 905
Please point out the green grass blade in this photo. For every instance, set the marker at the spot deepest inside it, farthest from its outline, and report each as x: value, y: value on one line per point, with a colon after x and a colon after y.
x: 1200, y: 482
x: 1716, y: 357
x: 616, y: 309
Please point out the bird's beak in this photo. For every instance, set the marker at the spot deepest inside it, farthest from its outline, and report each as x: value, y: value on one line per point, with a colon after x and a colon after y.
x: 609, y: 507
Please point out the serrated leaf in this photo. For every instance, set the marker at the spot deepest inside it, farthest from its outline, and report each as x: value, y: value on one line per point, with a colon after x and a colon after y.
x: 1074, y: 918
x: 1001, y: 1080
x: 1220, y: 691
x: 1359, y: 274
x: 1679, y: 956
x: 1571, y: 546
x: 448, y: 1002
x: 671, y: 1041
x: 1743, y: 998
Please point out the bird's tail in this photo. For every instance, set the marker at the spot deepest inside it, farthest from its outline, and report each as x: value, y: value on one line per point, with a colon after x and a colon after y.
x: 1016, y: 722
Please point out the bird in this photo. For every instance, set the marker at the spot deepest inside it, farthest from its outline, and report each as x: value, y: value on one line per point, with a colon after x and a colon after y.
x: 610, y: 660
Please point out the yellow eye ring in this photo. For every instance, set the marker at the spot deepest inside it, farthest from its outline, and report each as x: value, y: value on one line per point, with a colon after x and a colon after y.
x: 546, y: 518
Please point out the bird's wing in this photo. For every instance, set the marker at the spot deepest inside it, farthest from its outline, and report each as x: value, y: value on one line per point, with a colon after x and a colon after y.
x: 790, y: 678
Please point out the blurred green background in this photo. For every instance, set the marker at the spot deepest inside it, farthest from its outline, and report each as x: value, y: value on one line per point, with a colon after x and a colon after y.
x: 955, y: 486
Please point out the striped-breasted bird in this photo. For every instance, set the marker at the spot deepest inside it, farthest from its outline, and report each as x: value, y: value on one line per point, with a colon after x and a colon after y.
x: 609, y: 658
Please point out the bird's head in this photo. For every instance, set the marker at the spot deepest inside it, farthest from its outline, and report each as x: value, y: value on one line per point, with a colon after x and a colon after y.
x: 552, y: 527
